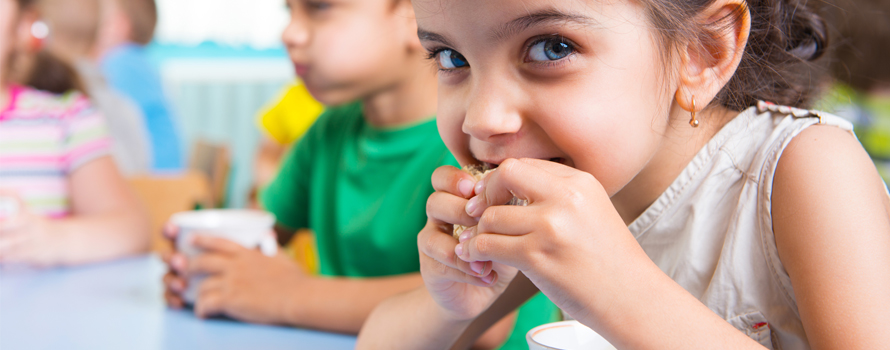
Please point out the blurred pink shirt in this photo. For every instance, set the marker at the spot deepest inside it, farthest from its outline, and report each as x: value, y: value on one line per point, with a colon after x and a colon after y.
x: 43, y: 139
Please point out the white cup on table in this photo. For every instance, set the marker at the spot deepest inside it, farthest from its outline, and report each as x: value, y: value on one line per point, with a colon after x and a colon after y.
x: 250, y: 228
x: 565, y: 335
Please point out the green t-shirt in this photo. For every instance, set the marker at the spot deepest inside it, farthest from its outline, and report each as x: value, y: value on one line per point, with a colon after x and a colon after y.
x: 363, y: 191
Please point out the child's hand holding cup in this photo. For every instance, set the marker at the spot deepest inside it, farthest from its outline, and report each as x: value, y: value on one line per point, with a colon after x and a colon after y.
x: 250, y: 228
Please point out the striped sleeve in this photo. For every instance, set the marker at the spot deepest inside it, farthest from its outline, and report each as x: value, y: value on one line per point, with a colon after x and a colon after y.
x: 86, y: 135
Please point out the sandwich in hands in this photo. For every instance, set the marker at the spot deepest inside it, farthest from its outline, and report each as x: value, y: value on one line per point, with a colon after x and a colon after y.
x: 479, y: 172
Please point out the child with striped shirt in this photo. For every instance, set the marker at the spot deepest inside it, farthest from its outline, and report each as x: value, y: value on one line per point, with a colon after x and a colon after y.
x: 63, y: 199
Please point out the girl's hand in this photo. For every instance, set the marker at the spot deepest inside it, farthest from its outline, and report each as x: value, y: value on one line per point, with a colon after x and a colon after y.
x: 569, y: 240
x: 463, y: 290
x: 27, y: 238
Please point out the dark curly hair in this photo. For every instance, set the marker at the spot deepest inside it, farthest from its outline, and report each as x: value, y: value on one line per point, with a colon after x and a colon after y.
x: 777, y: 65
x: 860, y: 55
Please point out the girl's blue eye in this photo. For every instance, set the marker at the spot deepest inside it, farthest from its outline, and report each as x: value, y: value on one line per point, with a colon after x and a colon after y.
x: 450, y: 59
x: 550, y: 50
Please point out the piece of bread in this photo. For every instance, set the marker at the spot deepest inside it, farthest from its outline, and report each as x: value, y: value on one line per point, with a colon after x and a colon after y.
x: 479, y: 172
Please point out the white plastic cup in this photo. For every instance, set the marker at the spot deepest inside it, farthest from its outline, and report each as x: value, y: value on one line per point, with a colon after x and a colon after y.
x: 565, y: 335
x: 250, y: 228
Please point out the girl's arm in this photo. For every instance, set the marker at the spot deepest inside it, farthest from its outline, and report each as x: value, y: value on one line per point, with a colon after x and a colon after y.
x: 343, y: 304
x: 410, y: 321
x: 831, y: 218
x: 107, y: 219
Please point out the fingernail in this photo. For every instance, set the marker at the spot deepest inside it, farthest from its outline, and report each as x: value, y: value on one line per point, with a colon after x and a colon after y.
x: 477, y: 267
x: 488, y: 278
x: 178, y: 262
x: 177, y: 286
x: 464, y: 236
x: 465, y: 187
x: 480, y: 186
x: 472, y: 204
x: 459, y: 249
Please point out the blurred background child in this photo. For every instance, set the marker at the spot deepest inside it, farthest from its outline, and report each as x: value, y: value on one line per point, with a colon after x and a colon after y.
x: 358, y: 178
x: 73, y: 25
x: 65, y: 201
x: 126, y: 26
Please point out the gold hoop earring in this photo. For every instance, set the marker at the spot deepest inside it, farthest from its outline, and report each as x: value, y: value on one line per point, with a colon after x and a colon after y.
x: 693, y: 121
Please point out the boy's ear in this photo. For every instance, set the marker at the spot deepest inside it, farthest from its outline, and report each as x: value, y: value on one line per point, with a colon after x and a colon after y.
x: 709, y: 61
x: 404, y: 10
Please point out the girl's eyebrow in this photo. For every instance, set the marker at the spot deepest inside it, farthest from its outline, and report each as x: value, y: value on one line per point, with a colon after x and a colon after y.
x: 515, y: 26
x: 430, y: 36
x: 546, y: 16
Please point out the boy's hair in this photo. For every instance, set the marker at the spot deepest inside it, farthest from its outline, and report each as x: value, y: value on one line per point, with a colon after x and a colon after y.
x: 786, y: 35
x: 861, y: 54
x: 143, y: 16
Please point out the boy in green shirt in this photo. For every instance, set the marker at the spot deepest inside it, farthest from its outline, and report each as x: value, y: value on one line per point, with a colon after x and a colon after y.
x: 359, y: 179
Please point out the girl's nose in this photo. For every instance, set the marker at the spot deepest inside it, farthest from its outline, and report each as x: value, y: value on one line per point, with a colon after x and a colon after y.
x: 492, y: 111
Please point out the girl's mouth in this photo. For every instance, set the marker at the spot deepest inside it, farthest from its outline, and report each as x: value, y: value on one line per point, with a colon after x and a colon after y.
x: 488, y: 166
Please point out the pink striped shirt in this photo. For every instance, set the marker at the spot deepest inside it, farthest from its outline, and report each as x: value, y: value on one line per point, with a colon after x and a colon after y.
x: 43, y: 139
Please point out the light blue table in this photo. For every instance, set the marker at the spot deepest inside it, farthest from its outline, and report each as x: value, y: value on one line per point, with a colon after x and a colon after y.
x: 119, y: 305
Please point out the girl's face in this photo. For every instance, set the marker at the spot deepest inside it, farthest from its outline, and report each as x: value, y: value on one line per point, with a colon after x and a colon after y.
x: 8, y: 21
x: 577, y: 82
x: 344, y: 49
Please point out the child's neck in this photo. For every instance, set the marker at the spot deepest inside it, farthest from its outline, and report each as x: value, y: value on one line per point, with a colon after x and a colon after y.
x: 406, y: 102
x: 4, y: 96
x: 679, y: 147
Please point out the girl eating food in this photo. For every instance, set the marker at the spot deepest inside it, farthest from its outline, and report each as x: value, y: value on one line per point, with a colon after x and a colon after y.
x: 680, y: 193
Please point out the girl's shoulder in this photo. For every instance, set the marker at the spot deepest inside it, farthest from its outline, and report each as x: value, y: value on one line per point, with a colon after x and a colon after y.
x: 30, y: 103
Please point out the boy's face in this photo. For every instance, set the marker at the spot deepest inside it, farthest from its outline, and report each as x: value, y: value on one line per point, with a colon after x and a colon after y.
x: 577, y: 82
x: 344, y: 50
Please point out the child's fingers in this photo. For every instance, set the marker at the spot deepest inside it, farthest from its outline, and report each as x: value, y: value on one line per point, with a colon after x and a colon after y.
x: 556, y: 169
x: 434, y: 270
x: 173, y: 300
x: 207, y: 264
x: 171, y: 231
x: 208, y: 305
x: 216, y: 244
x: 453, y: 180
x: 210, y: 300
x: 439, y: 247
x: 177, y: 262
x: 509, y: 250
x: 448, y: 208
x: 174, y: 283
x: 513, y: 178
x: 508, y: 220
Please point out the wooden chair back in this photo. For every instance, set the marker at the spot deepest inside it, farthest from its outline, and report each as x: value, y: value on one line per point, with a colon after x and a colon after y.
x: 165, y: 195
x: 214, y: 161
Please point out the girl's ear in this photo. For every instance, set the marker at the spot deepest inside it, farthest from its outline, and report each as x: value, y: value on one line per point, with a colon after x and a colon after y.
x: 710, y: 60
x: 29, y: 38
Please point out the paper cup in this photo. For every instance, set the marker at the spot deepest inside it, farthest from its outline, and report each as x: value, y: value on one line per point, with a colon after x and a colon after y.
x: 565, y: 335
x: 249, y: 228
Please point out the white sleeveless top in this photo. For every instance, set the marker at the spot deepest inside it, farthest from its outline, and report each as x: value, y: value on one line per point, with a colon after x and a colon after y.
x: 711, y: 230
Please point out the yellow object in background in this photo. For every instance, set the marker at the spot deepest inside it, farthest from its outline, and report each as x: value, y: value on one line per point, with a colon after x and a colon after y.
x: 302, y: 249
x: 289, y: 118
